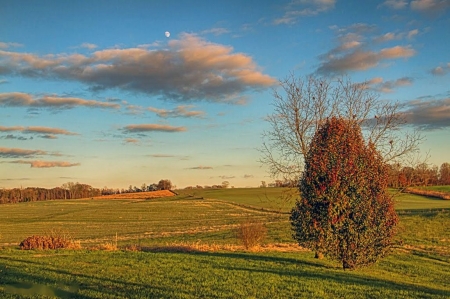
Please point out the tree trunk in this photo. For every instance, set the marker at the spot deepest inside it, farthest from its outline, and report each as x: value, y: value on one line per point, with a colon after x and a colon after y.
x: 318, y: 255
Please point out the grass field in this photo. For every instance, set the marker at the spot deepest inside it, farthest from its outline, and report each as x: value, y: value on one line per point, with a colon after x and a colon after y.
x: 192, y: 252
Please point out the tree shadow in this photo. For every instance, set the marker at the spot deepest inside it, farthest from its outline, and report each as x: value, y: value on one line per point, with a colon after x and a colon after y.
x: 17, y: 281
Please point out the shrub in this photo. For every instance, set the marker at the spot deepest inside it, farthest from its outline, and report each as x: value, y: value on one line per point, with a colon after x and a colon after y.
x: 51, y: 241
x: 251, y: 233
x: 344, y: 211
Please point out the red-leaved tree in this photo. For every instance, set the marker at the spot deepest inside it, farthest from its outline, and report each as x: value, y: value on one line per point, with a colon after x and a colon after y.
x: 344, y: 210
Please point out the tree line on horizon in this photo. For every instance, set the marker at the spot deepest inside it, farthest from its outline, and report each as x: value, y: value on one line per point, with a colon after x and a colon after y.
x: 72, y: 190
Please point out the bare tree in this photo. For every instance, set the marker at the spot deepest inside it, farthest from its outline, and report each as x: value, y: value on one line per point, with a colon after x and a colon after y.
x: 301, y: 105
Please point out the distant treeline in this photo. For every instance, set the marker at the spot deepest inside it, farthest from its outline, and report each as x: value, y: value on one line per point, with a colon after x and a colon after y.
x: 39, y: 194
x: 72, y: 191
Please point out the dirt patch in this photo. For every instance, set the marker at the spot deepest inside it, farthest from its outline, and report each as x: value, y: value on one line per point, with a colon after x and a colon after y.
x: 139, y: 195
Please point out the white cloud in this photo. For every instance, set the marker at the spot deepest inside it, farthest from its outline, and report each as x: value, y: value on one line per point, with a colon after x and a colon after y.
x: 190, y: 69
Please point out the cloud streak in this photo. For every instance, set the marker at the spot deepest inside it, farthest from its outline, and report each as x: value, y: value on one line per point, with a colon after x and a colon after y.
x: 46, y: 164
x: 201, y: 167
x: 189, y: 69
x: 144, y: 128
x: 303, y: 8
x: 20, y: 99
x: 46, y: 131
x: 6, y: 152
x: 359, y: 59
x: 179, y: 111
x: 428, y: 115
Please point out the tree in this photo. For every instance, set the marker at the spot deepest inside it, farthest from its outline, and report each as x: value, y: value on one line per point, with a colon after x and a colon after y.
x: 303, y: 105
x: 344, y: 210
x: 444, y: 174
x: 225, y: 184
x: 164, y: 185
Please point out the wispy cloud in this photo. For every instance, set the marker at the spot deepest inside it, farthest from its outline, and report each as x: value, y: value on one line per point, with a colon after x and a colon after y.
x: 353, y: 52
x: 189, y: 69
x: 216, y: 31
x: 20, y: 99
x: 441, y: 70
x: 88, y: 46
x: 6, y: 152
x: 362, y: 60
x: 142, y: 128
x: 226, y: 177
x: 179, y: 111
x: 4, y: 45
x: 379, y: 85
x: 430, y: 7
x: 201, y: 167
x: 429, y: 115
x: 45, y: 132
x: 11, y: 136
x: 303, y: 8
x: 46, y: 164
x: 131, y: 140
x: 248, y: 176
x: 395, y: 4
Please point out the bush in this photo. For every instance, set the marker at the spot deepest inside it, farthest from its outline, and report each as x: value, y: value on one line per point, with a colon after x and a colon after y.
x: 251, y: 233
x: 344, y: 211
x: 48, y: 242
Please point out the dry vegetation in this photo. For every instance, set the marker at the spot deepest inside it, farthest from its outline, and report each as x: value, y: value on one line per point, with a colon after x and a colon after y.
x: 429, y: 193
x: 139, y: 195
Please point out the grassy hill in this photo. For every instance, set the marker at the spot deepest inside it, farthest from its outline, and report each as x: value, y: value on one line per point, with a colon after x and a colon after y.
x: 189, y: 250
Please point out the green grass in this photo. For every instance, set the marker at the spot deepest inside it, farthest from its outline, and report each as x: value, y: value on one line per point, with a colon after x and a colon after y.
x: 100, y: 274
x: 418, y: 268
x: 283, y: 199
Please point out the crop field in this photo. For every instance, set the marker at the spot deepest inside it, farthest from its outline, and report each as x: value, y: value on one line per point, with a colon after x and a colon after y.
x: 185, y: 246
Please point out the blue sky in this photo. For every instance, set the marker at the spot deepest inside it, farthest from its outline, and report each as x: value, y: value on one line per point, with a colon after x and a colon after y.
x: 94, y: 91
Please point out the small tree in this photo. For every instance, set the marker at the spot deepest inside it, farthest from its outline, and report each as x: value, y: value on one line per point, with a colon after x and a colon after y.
x: 164, y: 185
x: 344, y: 211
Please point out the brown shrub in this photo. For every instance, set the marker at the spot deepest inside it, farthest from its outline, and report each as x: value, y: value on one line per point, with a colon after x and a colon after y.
x: 51, y: 241
x: 251, y: 233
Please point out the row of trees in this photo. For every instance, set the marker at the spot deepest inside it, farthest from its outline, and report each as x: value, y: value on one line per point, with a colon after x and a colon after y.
x: 72, y: 190
x: 161, y: 185
x: 422, y: 174
x: 66, y: 191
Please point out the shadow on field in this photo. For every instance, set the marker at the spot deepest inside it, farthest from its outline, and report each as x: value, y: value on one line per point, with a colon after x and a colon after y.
x: 27, y: 277
x: 307, y: 270
x: 16, y: 280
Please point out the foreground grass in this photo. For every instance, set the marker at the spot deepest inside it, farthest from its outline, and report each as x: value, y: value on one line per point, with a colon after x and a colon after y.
x: 102, y: 274
x: 418, y: 268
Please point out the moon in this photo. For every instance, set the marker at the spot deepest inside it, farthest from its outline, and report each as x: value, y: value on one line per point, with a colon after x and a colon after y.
x: 167, y: 33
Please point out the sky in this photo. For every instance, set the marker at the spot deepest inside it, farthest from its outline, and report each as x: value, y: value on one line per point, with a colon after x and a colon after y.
x: 96, y: 92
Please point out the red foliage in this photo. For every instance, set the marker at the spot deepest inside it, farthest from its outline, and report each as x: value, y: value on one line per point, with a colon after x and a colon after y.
x: 344, y: 210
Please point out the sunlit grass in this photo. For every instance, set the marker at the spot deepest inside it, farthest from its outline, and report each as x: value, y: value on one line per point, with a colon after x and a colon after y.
x: 186, y: 247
